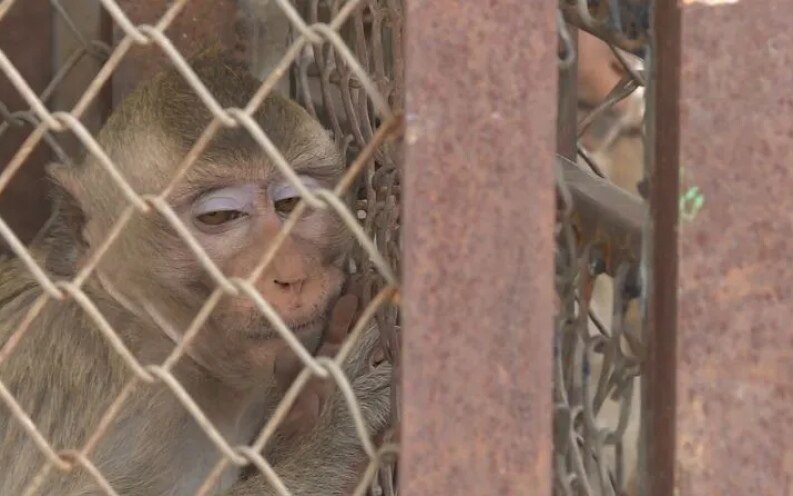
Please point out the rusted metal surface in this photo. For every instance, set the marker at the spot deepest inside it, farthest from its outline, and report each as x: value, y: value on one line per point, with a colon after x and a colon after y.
x: 24, y: 204
x: 735, y: 353
x: 478, y: 239
x: 660, y: 255
x: 200, y: 25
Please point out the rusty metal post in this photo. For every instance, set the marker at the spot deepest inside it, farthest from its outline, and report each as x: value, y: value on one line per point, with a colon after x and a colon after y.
x: 478, y: 247
x: 660, y: 254
x: 734, y: 359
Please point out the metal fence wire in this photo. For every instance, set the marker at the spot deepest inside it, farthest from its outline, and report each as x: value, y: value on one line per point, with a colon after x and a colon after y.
x: 96, y: 49
x: 351, y: 52
x: 598, y: 346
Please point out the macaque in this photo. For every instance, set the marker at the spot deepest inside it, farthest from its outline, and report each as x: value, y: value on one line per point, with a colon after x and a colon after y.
x: 64, y: 372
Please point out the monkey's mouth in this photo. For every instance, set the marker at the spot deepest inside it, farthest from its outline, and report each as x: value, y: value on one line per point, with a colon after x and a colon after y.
x: 301, y: 329
x: 307, y: 325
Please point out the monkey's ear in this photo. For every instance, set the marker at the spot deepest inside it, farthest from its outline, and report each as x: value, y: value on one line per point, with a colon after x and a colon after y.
x: 70, y: 214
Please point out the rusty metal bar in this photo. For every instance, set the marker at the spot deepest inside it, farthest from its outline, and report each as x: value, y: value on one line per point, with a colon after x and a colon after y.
x: 478, y: 241
x: 735, y: 352
x: 657, y: 451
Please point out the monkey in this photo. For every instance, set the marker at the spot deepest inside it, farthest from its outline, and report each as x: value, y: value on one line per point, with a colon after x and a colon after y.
x: 149, y: 287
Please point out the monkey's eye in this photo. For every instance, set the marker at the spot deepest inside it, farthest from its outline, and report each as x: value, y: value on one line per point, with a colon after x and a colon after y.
x: 285, y: 196
x: 225, y: 205
x: 286, y: 205
x: 219, y: 217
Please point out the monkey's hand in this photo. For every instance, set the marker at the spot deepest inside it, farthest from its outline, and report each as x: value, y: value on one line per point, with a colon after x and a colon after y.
x: 318, y: 451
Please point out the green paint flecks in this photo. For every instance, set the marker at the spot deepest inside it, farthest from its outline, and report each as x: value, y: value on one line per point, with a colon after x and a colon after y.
x: 691, y: 200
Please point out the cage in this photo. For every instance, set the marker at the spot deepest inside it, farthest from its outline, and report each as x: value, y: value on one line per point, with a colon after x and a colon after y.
x: 484, y: 143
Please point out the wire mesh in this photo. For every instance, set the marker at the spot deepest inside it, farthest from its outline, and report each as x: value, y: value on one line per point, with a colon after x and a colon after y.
x: 598, y: 347
x: 96, y: 49
x: 55, y: 57
x: 375, y: 38
x: 356, y: 52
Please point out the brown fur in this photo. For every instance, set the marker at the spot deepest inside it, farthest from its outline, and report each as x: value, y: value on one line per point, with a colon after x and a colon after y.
x: 64, y: 373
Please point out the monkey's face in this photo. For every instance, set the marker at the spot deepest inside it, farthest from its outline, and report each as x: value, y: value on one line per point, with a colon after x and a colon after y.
x: 236, y: 222
x: 232, y: 200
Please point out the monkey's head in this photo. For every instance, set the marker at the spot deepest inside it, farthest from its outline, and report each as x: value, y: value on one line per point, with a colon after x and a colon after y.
x: 233, y: 200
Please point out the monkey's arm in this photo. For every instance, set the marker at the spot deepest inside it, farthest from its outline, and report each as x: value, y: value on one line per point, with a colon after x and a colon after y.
x: 326, y: 460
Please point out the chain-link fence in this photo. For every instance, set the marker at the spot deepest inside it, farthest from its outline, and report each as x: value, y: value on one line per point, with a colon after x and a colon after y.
x: 351, y: 52
x: 59, y: 60
x: 598, y: 343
